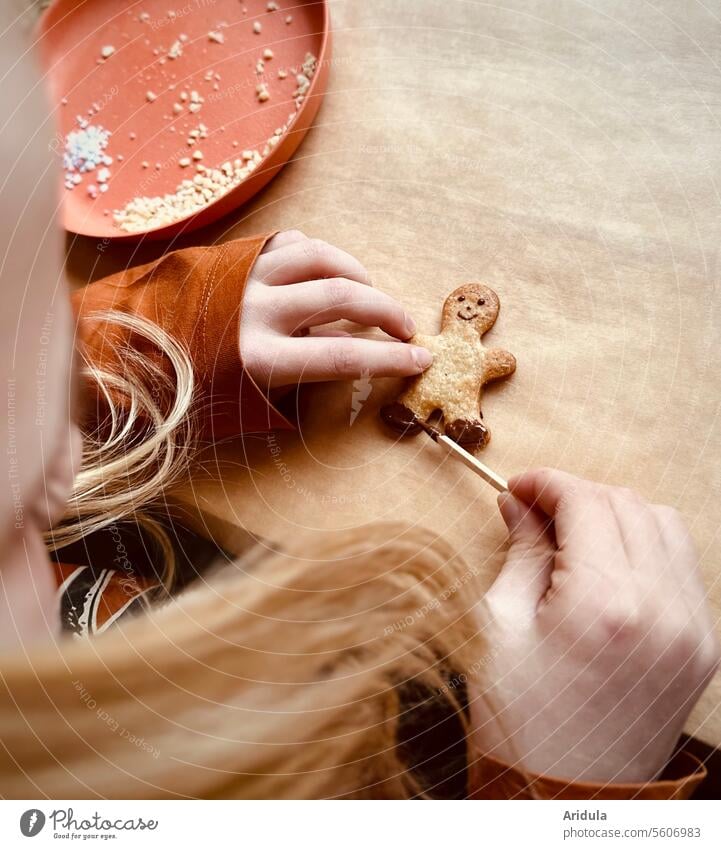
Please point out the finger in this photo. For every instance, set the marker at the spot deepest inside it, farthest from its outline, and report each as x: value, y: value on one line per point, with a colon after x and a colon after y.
x: 640, y: 532
x: 308, y: 259
x: 526, y: 575
x: 280, y: 240
x: 679, y: 545
x: 544, y: 488
x: 322, y: 301
x: 673, y: 528
x: 592, y: 544
x: 588, y: 534
x: 526, y: 526
x: 316, y: 358
x: 323, y: 333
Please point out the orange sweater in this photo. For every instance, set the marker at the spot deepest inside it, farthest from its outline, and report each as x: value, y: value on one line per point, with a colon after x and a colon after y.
x: 195, y: 295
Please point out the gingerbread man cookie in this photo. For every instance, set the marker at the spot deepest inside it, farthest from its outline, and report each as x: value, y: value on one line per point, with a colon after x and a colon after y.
x: 461, y: 366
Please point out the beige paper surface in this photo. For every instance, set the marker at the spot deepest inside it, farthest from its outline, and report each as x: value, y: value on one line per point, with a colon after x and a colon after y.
x: 568, y: 156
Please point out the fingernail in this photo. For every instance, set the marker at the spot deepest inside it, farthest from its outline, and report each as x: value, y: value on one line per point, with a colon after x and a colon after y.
x: 511, y: 510
x: 410, y: 325
x: 422, y: 357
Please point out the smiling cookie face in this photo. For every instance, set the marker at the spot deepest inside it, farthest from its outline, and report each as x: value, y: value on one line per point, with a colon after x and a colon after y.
x: 471, y: 304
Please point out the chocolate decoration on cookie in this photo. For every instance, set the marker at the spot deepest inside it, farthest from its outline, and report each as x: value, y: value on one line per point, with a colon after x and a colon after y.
x: 461, y: 367
x: 468, y: 434
x: 400, y: 418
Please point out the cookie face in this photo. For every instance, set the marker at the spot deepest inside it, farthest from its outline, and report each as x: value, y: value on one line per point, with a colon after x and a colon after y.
x: 471, y: 304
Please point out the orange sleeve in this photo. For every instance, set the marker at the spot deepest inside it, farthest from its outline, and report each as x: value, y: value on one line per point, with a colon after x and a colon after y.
x: 492, y: 779
x: 195, y: 295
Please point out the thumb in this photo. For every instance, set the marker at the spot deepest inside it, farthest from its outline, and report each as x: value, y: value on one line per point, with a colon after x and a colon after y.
x: 526, y: 574
x: 525, y: 524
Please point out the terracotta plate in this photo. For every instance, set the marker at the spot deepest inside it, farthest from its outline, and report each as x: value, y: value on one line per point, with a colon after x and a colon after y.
x: 151, y: 73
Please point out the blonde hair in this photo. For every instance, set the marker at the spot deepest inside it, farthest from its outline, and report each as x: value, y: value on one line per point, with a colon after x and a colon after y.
x: 144, y: 444
x: 284, y: 681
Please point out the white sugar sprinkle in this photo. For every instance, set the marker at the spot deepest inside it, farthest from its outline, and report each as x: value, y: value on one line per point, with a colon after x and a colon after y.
x: 84, y: 151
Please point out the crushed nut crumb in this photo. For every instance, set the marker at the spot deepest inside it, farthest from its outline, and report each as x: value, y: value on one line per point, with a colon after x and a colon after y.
x: 209, y: 184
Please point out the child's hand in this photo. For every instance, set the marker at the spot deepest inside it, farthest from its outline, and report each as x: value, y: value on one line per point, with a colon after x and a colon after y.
x: 598, y: 630
x: 299, y: 283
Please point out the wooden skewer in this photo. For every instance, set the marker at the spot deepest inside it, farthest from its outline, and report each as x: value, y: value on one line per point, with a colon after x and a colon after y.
x: 475, y: 465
